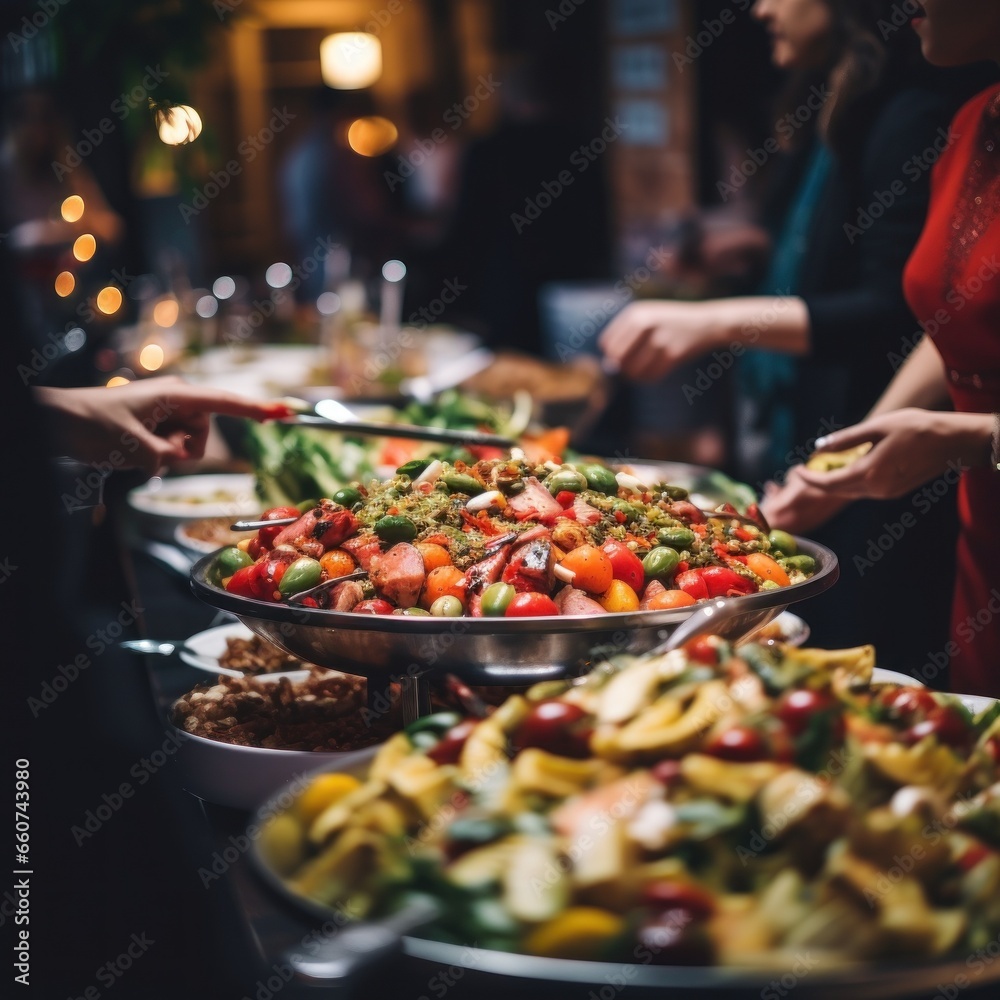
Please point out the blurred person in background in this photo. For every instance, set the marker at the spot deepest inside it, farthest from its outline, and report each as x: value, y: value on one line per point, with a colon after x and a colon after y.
x: 863, y: 116
x: 505, y: 262
x: 951, y: 285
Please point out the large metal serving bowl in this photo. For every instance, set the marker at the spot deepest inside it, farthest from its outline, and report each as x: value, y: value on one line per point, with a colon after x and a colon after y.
x: 486, y: 650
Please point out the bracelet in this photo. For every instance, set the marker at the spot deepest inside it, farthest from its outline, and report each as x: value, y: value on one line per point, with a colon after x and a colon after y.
x: 995, y: 452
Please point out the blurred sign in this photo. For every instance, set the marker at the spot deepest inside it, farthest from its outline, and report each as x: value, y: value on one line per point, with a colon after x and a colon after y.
x: 647, y: 122
x: 643, y: 17
x: 639, y: 67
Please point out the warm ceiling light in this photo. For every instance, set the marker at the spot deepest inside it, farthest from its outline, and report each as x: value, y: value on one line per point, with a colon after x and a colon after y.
x: 72, y: 208
x: 116, y: 380
x: 151, y: 357
x: 372, y: 136
x: 350, y: 60
x: 109, y: 300
x: 178, y: 125
x: 84, y: 247
x: 165, y: 312
x: 65, y: 283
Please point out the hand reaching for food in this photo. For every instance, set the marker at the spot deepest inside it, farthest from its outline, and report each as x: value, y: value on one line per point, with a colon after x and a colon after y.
x: 798, y: 506
x: 908, y: 447
x: 144, y: 424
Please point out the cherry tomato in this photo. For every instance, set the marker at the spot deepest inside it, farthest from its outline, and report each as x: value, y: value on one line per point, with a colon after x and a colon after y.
x: 724, y: 582
x: 554, y: 726
x: 670, y: 599
x: 704, y: 649
x: 796, y: 708
x: 944, y: 723
x: 619, y: 597
x: 767, y: 569
x: 669, y: 895
x: 449, y: 747
x: 565, y: 498
x: 591, y: 568
x: 667, y: 771
x: 625, y: 564
x: 531, y: 605
x: 907, y: 704
x: 740, y: 744
x: 375, y: 606
x: 670, y: 939
x: 266, y: 536
x: 337, y: 562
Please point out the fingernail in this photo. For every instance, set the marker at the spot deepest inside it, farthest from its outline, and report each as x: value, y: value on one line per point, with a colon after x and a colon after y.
x: 822, y: 442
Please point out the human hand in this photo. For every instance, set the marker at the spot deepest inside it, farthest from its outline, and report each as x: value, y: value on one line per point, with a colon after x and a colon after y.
x: 909, y: 447
x: 648, y: 340
x: 144, y: 424
x: 798, y: 506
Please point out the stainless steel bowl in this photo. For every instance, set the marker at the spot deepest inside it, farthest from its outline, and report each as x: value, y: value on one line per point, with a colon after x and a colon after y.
x: 486, y: 650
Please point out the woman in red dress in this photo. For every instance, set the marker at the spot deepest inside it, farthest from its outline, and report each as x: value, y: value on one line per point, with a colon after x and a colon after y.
x: 952, y: 283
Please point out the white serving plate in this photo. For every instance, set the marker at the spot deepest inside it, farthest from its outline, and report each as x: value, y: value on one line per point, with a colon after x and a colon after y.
x: 187, y: 497
x: 205, y: 648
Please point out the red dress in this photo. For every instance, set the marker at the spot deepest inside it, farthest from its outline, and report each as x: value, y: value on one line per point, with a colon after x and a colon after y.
x: 952, y: 283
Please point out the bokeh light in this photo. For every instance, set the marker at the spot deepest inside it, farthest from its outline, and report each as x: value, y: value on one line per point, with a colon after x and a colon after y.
x: 65, y: 283
x: 223, y: 287
x: 350, y: 60
x: 207, y: 306
x: 165, y: 312
x: 116, y: 380
x: 75, y: 339
x: 372, y: 136
x: 151, y: 357
x: 393, y: 270
x: 72, y: 208
x: 278, y: 275
x: 84, y: 247
x: 109, y: 300
x: 328, y: 303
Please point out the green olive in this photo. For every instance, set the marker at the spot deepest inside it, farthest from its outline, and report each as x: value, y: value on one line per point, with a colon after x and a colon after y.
x: 416, y: 612
x: 672, y: 492
x: 395, y: 528
x: 601, y: 478
x: 629, y: 511
x: 677, y: 537
x: 783, y: 542
x: 300, y: 575
x: 565, y: 479
x: 306, y: 505
x: 496, y: 598
x: 347, y: 496
x: 448, y: 606
x: 439, y: 723
x: 803, y: 563
x: 660, y: 562
x: 230, y: 560
x: 460, y: 482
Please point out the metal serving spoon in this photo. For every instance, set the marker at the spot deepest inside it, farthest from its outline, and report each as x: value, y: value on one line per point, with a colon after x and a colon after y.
x: 157, y: 647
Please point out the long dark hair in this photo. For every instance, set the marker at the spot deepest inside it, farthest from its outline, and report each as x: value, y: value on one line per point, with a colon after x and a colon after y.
x: 871, y: 52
